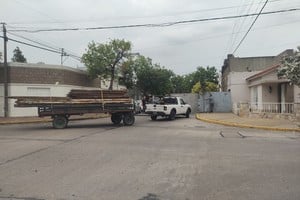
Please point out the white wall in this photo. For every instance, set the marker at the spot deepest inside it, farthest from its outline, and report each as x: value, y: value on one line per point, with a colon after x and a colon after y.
x: 270, y: 95
x: 1, y: 100
x: 296, y: 94
x: 238, y: 86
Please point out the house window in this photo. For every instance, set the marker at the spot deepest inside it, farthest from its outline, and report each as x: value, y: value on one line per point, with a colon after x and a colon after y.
x: 255, y: 95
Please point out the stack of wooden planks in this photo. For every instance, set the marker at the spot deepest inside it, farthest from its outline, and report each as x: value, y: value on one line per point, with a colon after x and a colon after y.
x: 98, y: 94
x: 77, y: 97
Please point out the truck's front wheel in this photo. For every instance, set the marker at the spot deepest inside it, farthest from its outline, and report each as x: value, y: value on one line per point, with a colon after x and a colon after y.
x: 187, y: 114
x: 128, y: 119
x: 60, y: 122
x: 172, y: 114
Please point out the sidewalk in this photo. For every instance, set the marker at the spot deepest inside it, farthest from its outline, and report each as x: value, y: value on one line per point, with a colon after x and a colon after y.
x: 230, y: 119
x: 23, y: 120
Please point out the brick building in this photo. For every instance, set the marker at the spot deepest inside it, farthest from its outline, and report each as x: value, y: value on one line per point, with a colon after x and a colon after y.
x: 26, y: 79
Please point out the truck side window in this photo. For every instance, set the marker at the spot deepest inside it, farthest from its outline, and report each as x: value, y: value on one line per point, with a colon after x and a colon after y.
x: 182, y: 102
x: 175, y: 101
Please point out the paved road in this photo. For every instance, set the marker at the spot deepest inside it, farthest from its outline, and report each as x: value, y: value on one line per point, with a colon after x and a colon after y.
x: 183, y: 159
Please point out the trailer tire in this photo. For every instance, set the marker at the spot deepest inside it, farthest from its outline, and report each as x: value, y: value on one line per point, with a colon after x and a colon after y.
x: 153, y: 117
x: 128, y: 119
x: 60, y: 121
x: 116, y: 118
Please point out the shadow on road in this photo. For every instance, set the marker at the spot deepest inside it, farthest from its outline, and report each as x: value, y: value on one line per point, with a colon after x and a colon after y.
x: 150, y: 196
x: 47, y: 126
x: 166, y: 119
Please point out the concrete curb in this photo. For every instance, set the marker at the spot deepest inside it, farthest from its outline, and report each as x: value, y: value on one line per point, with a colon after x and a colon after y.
x: 42, y: 120
x: 245, y: 125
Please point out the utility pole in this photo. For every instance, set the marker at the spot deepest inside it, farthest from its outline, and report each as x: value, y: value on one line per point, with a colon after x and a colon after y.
x: 6, y: 72
x: 62, y: 54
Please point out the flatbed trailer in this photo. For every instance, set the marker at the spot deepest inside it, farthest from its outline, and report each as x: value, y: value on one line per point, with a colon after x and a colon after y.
x: 80, y: 102
x: 60, y: 113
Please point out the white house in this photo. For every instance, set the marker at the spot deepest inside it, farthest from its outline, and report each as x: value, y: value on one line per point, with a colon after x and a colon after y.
x: 255, y: 87
x: 271, y: 94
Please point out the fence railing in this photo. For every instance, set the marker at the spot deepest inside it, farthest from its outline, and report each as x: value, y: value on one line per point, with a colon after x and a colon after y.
x: 272, y: 107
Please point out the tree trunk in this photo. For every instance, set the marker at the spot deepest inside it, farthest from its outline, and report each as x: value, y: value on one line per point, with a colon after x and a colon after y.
x: 112, y: 78
x: 113, y: 67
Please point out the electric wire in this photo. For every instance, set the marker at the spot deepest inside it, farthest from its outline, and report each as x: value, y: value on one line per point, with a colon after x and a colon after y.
x: 68, y: 53
x: 55, y: 21
x: 241, y: 25
x: 164, y: 24
x: 32, y: 45
x: 39, y: 43
x: 42, y: 48
x: 45, y: 45
x: 244, y: 37
x: 234, y: 33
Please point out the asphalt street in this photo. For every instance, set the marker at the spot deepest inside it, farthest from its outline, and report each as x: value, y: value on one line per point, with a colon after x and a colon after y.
x: 184, y: 159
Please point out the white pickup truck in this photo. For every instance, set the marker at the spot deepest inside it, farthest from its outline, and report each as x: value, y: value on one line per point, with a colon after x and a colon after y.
x: 168, y: 107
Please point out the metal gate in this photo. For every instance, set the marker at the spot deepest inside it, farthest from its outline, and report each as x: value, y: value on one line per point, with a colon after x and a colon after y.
x: 215, y: 102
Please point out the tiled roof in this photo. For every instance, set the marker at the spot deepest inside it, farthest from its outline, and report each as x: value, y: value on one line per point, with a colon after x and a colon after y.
x: 264, y: 72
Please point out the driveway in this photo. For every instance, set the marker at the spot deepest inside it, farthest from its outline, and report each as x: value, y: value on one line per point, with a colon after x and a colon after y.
x: 184, y: 159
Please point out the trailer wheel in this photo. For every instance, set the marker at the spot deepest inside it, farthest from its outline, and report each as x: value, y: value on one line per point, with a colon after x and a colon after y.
x: 60, y: 122
x: 153, y: 117
x: 128, y: 119
x: 116, y: 118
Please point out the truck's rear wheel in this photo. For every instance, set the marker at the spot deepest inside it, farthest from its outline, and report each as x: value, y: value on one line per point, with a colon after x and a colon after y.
x: 153, y: 117
x: 128, y: 119
x: 116, y: 118
x: 60, y: 122
x: 187, y: 114
x: 172, y: 114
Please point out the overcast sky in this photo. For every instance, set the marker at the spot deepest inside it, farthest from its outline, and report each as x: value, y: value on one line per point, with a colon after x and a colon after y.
x: 180, y: 48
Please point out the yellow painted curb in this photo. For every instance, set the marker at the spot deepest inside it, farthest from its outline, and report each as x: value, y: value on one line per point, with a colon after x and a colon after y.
x: 244, y: 125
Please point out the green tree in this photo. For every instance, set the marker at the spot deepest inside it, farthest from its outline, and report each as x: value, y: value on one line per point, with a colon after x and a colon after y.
x: 18, y: 56
x: 152, y: 78
x: 179, y: 84
x: 208, y: 87
x: 105, y: 59
x: 290, y: 68
x: 127, y: 74
x: 206, y: 74
x: 211, y: 87
x: 196, y: 88
x: 202, y: 75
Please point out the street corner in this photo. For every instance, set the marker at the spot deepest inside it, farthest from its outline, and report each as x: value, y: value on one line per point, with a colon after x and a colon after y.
x: 235, y: 121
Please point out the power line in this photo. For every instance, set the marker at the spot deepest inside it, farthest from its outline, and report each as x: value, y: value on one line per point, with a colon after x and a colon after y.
x: 235, y: 29
x: 242, y: 22
x: 42, y: 48
x: 72, y: 54
x: 39, y: 43
x: 260, y: 12
x: 55, y: 21
x: 25, y: 43
x: 164, y: 24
